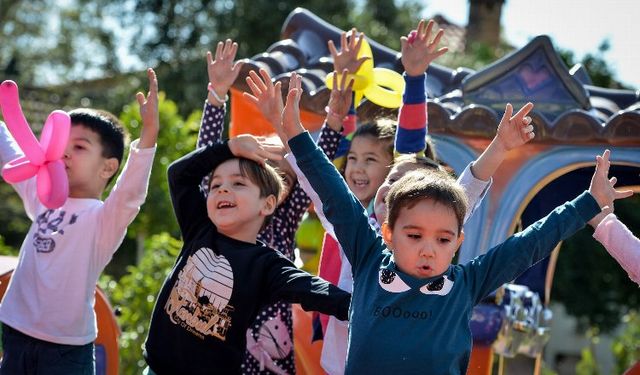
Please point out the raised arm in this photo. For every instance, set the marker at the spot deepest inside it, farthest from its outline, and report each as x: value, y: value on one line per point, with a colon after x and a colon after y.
x: 130, y: 190
x: 419, y: 49
x: 506, y: 261
x: 341, y: 208
x: 513, y: 132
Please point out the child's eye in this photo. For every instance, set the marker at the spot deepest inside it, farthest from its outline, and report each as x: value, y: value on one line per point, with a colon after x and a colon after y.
x: 78, y: 147
x: 238, y: 183
x: 444, y: 240
x: 372, y: 160
x: 214, y: 186
x: 414, y: 236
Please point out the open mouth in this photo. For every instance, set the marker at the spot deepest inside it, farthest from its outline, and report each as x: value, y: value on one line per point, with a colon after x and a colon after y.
x: 360, y: 183
x: 223, y: 205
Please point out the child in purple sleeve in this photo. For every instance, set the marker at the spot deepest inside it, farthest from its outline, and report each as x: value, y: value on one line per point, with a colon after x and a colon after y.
x: 280, y: 233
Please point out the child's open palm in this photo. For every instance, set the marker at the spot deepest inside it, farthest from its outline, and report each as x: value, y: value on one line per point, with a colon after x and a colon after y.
x: 419, y: 50
x: 515, y: 130
x: 340, y: 100
x: 223, y: 71
x: 347, y: 57
x: 291, y: 124
x: 149, y: 112
x: 266, y: 96
x: 602, y: 188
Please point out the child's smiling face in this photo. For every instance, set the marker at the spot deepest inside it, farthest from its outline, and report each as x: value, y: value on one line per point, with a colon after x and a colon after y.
x: 424, y: 239
x: 234, y: 204
x: 368, y: 163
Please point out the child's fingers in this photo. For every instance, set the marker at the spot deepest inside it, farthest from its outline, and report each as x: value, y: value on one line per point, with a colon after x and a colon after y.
x: 209, y: 58
x: 343, y: 81
x: 623, y: 194
x: 251, y: 98
x: 257, y: 81
x: 522, y: 112
x: 252, y: 85
x: 266, y: 79
x: 140, y: 98
x: 350, y: 87
x: 359, y: 44
x: 613, y: 180
x: 508, y: 110
x: 153, y: 81
x: 219, y: 50
x: 227, y: 46
x: 352, y: 38
x: 343, y: 42
x: 436, y: 40
x: 428, y: 30
x: 420, y: 30
x: 441, y: 52
x: 237, y: 66
x: 332, y: 48
x: 232, y: 51
x: 335, y: 80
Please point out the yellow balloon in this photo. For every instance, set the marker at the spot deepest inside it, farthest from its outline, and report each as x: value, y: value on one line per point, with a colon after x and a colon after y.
x: 383, y: 87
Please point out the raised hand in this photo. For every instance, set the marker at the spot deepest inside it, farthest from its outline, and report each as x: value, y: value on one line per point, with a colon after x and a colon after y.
x: 291, y: 124
x: 339, y: 101
x: 602, y: 188
x: 419, y: 49
x: 266, y: 96
x: 149, y: 112
x: 515, y: 130
x: 258, y: 149
x: 222, y: 71
x: 347, y: 57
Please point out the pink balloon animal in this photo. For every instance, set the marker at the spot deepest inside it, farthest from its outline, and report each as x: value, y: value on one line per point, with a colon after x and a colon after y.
x: 42, y: 159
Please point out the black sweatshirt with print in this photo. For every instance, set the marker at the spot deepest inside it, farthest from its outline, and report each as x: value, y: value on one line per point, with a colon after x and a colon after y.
x: 218, y: 284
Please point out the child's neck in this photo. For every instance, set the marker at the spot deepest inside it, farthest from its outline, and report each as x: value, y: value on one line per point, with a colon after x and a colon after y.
x: 243, y: 234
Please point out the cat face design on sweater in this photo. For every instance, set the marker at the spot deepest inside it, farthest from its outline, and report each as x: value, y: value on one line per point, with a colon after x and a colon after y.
x: 392, y: 283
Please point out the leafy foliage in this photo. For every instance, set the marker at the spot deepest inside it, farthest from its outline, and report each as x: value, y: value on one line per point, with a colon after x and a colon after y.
x: 626, y: 347
x: 586, y: 263
x: 134, y: 296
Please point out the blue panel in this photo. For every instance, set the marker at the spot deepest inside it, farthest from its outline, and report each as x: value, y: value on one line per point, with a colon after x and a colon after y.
x: 533, y: 79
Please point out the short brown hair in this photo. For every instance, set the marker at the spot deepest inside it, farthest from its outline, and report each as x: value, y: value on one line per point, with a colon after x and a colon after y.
x: 266, y: 177
x: 426, y: 184
x: 417, y: 160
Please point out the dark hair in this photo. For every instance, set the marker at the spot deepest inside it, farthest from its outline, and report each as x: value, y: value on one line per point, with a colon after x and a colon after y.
x: 109, y: 129
x: 267, y: 178
x: 417, y: 160
x: 382, y: 129
x: 426, y: 184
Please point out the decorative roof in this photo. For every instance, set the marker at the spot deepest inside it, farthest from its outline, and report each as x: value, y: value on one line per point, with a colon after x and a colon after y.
x: 463, y: 102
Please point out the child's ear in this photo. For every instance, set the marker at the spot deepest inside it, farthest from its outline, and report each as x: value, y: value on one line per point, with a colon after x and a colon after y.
x: 460, y: 239
x: 269, y: 205
x: 386, y: 234
x: 109, y: 168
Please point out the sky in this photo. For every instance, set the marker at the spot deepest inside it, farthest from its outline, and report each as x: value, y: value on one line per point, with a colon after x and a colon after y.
x: 576, y: 25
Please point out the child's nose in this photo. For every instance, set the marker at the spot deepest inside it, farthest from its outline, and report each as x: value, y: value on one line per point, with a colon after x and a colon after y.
x: 426, y: 251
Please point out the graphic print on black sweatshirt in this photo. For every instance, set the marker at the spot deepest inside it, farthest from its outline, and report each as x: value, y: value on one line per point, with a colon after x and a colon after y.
x: 199, y: 300
x: 48, y: 224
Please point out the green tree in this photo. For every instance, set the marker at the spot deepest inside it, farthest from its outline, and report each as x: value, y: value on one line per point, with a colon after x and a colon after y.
x: 626, y: 347
x: 46, y: 41
x: 596, y: 66
x: 596, y: 270
x: 134, y: 296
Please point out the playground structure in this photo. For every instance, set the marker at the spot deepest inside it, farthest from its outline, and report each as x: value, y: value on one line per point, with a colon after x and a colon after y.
x: 573, y: 121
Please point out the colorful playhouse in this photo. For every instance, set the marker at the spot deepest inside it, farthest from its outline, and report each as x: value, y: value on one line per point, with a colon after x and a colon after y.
x: 573, y: 121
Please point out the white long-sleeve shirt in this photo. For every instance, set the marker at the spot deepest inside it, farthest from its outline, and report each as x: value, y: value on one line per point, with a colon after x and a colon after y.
x: 52, y: 291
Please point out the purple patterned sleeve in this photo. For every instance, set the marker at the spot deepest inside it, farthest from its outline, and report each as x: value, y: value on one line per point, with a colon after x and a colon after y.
x: 289, y: 214
x: 211, y: 127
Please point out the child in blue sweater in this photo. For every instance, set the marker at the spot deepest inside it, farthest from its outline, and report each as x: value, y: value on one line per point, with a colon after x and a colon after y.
x: 411, y: 307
